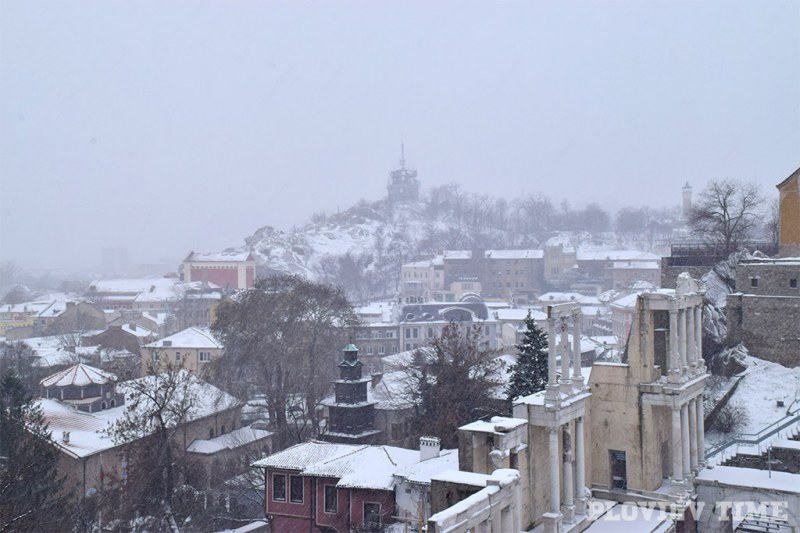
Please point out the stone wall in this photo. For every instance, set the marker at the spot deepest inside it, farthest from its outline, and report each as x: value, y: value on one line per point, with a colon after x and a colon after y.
x: 769, y: 326
x: 670, y: 273
x: 769, y: 278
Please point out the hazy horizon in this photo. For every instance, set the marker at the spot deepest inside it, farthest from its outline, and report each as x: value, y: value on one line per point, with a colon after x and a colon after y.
x: 175, y: 126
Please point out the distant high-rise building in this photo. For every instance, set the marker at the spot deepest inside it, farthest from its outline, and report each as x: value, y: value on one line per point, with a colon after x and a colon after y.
x: 114, y: 260
x: 687, y: 200
x: 403, y: 182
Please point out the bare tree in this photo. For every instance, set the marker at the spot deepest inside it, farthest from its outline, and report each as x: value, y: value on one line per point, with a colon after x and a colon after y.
x: 157, y: 406
x: 726, y: 213
x: 282, y: 339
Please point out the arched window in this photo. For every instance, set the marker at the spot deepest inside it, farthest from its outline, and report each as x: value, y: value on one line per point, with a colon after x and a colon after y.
x: 113, y: 403
x: 103, y: 405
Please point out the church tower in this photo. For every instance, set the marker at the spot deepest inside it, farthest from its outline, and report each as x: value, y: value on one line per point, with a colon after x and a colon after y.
x: 352, y: 415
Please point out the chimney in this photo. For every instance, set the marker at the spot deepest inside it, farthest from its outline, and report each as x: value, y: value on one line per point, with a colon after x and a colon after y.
x: 428, y: 448
x: 65, y: 437
x: 376, y: 378
x: 132, y: 325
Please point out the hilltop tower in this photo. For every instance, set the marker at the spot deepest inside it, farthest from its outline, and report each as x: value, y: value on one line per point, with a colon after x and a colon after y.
x: 403, y: 183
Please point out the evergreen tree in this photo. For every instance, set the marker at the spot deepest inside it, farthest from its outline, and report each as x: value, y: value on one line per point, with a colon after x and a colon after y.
x: 529, y: 375
x: 30, y: 488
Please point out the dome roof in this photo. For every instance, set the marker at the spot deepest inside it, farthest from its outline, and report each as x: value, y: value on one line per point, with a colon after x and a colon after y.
x: 79, y: 375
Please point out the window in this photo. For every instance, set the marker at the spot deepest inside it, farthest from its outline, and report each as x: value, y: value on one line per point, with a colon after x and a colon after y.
x: 390, y: 334
x: 430, y: 333
x: 211, y: 433
x: 155, y: 357
x: 331, y: 503
x: 296, y: 489
x: 415, y: 333
x: 279, y: 487
x: 369, y: 349
x: 205, y: 357
x: 177, y: 357
x: 381, y: 350
x: 754, y: 282
x: 793, y: 283
x: 372, y: 516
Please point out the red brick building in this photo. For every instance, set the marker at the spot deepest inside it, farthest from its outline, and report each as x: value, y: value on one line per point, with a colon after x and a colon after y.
x: 229, y: 270
x: 320, y: 486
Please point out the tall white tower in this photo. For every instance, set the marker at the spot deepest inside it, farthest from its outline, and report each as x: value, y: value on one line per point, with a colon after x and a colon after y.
x: 687, y: 200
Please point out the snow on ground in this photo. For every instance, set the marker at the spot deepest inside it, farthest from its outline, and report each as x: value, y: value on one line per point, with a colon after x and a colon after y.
x: 763, y: 385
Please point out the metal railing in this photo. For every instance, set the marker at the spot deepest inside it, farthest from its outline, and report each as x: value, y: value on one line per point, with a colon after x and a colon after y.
x: 755, y: 439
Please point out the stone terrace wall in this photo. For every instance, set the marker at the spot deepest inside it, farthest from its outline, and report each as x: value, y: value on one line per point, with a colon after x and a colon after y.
x: 768, y: 325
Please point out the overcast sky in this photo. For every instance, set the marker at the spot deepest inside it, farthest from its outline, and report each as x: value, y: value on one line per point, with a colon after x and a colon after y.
x: 169, y: 126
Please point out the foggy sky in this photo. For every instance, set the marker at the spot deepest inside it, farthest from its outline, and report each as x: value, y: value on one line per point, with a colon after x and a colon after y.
x: 166, y: 127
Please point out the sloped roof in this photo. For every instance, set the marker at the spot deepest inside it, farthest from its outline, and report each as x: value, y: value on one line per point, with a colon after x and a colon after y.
x: 189, y: 338
x: 422, y: 471
x: 227, y: 255
x: 228, y: 441
x: 87, y: 430
x: 785, y: 182
x: 350, y: 468
x: 79, y: 375
x: 302, y: 455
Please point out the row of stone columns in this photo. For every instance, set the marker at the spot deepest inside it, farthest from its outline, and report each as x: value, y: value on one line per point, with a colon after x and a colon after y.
x: 574, y: 478
x: 558, y: 341
x: 688, y: 438
x: 685, y: 339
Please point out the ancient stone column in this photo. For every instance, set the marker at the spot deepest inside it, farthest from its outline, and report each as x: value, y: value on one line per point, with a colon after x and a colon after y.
x: 693, y: 435
x: 682, y: 339
x: 690, y: 338
x: 555, y: 486
x: 701, y: 443
x: 698, y: 332
x: 677, y: 455
x: 568, y: 509
x: 687, y: 471
x: 577, y: 377
x: 566, y: 383
x: 580, y: 469
x: 551, y: 392
x: 674, y: 360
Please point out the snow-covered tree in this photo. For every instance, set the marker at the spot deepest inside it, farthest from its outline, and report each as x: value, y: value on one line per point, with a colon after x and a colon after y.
x: 529, y: 375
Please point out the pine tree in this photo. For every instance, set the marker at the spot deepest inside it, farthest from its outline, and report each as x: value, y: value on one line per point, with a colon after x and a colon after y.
x: 30, y: 488
x: 529, y: 375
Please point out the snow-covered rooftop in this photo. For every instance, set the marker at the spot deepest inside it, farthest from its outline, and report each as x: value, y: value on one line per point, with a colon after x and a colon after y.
x: 637, y: 265
x: 626, y: 302
x: 751, y: 478
x: 87, y: 430
x: 227, y: 255
x: 555, y: 297
x: 228, y: 441
x: 497, y: 424
x: 133, y: 285
x: 188, y: 338
x: 350, y: 468
x: 616, y: 255
x: 422, y: 471
x: 79, y: 375
x: 519, y: 314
